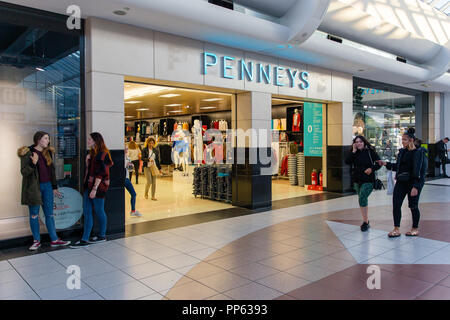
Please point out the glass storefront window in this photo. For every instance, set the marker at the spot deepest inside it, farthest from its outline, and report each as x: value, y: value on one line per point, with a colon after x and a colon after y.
x: 40, y: 90
x: 382, y: 116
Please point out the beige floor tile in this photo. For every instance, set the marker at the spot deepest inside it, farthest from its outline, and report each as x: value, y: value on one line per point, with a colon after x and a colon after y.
x: 191, y: 291
x: 224, y: 281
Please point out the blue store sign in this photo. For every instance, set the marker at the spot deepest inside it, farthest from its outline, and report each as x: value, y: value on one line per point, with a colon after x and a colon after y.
x: 312, y: 129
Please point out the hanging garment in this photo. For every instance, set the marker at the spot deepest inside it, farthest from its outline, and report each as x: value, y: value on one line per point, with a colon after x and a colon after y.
x: 279, y: 127
x: 275, y: 163
x: 284, y: 166
x: 198, y: 143
x: 186, y: 126
x: 296, y: 122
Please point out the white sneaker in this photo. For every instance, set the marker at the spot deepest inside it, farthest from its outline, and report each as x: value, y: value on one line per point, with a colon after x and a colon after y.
x: 36, y: 245
x: 135, y: 214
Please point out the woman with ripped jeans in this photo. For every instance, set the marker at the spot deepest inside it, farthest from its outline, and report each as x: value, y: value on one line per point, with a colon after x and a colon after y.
x: 39, y: 186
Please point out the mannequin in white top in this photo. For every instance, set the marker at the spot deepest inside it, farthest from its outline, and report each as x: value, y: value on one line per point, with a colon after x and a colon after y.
x: 198, y: 142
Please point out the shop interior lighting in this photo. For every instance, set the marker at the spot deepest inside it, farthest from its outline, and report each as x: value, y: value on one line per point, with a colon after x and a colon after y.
x: 144, y: 90
x: 205, y: 108
x: 133, y: 102
x: 170, y: 95
x: 142, y: 109
x: 39, y: 69
x: 212, y: 99
x: 175, y: 111
x: 173, y: 105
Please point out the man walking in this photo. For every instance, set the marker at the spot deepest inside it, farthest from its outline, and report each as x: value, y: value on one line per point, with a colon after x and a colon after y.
x: 442, y: 151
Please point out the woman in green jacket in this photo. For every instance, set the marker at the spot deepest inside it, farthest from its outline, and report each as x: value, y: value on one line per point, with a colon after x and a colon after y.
x: 39, y: 186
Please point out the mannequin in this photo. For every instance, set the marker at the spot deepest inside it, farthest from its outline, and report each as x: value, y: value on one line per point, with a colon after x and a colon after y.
x: 165, y: 129
x: 296, y: 121
x: 198, y: 142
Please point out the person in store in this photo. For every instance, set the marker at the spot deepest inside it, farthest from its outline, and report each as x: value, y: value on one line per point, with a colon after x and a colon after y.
x: 134, y: 152
x: 129, y: 167
x: 410, y: 177
x: 39, y: 186
x: 442, y: 151
x: 362, y: 158
x: 150, y: 157
x: 96, y: 184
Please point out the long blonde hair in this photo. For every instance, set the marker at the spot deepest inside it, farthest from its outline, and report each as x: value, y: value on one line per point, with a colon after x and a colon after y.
x: 148, y: 141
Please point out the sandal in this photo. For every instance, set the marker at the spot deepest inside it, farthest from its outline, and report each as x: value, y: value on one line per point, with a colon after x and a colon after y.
x: 394, y: 233
x: 412, y: 233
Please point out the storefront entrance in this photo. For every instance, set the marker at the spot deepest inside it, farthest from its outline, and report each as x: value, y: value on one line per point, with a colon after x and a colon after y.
x: 293, y: 165
x: 189, y: 128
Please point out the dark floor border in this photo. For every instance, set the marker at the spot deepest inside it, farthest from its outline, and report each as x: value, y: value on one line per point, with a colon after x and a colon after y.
x: 182, y: 221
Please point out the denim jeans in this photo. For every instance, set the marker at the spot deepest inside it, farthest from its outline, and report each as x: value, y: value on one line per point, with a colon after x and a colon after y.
x: 47, y: 206
x: 132, y: 192
x: 98, y: 204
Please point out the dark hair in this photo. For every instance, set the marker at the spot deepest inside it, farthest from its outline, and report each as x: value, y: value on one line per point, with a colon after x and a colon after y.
x: 410, y: 133
x: 417, y: 142
x: 38, y: 136
x: 147, y: 142
x: 366, y: 143
x: 100, y: 145
x: 446, y: 138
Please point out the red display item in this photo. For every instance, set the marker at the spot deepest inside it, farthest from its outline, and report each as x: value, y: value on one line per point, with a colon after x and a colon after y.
x: 314, y: 177
x: 320, y: 179
x: 296, y: 122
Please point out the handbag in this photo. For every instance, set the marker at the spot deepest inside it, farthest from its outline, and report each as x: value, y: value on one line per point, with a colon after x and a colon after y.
x: 377, y: 184
x: 153, y: 168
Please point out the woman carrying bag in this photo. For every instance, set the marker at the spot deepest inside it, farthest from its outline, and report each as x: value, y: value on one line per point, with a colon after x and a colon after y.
x: 409, y: 182
x: 362, y: 157
x: 150, y: 157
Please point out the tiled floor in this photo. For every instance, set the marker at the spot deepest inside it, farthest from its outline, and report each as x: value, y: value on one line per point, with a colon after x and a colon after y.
x: 311, y: 251
x: 175, y: 198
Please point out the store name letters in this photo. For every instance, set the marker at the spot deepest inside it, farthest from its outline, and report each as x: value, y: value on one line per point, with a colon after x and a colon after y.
x: 263, y: 73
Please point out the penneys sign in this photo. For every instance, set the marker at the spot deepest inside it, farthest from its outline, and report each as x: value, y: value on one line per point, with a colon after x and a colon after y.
x: 261, y: 73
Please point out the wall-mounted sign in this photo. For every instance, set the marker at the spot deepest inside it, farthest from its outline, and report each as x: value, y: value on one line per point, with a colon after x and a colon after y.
x: 261, y: 73
x: 67, y: 210
x: 312, y: 116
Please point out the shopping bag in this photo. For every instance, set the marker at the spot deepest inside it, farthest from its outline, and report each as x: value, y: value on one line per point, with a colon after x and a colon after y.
x: 390, y: 182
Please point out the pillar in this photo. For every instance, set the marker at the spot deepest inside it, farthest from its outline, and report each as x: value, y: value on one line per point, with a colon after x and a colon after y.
x: 252, y: 179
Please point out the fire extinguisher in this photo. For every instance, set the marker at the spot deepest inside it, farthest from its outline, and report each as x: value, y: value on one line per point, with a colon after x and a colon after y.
x: 314, y: 177
x: 320, y: 179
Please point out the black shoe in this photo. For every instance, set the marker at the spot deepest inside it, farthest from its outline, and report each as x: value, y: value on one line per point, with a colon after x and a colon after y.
x: 365, y: 226
x: 97, y: 239
x: 446, y: 176
x: 80, y: 244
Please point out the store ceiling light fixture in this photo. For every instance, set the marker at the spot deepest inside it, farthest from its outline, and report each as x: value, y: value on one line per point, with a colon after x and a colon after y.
x: 39, y: 69
x: 175, y: 111
x: 173, y: 105
x: 170, y: 95
x: 142, y: 109
x: 212, y: 99
x: 206, y: 108
x: 133, y: 102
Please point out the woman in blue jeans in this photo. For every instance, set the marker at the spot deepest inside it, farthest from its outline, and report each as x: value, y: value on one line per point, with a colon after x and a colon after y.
x: 129, y: 166
x: 39, y: 186
x: 96, y: 184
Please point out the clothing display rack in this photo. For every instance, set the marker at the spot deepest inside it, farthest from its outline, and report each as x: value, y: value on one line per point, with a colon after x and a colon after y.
x: 292, y: 170
x: 301, y: 169
x: 213, y: 182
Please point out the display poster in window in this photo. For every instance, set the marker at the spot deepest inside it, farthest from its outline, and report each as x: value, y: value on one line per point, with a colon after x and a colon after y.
x: 67, y: 210
x: 312, y: 125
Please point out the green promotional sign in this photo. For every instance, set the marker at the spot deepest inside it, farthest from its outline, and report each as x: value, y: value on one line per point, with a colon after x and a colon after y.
x: 312, y: 128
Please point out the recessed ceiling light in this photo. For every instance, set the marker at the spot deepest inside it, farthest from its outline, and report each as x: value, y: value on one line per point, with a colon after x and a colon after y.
x: 170, y: 95
x: 175, y: 111
x: 173, y: 105
x: 130, y: 117
x: 133, y: 102
x: 187, y: 107
x: 212, y: 99
x: 142, y: 109
x: 40, y: 69
x: 204, y: 108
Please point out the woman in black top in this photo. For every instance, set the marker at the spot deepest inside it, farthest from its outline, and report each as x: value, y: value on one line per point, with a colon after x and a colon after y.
x: 409, y: 182
x: 362, y: 157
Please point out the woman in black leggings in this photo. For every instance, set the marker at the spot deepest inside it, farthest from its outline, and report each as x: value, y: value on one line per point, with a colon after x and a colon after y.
x: 409, y: 182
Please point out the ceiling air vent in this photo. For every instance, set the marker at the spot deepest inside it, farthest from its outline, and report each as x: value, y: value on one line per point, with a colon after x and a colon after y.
x: 401, y: 59
x: 223, y: 3
x: 334, y: 38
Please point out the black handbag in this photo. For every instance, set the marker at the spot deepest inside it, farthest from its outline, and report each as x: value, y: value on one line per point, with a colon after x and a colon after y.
x: 403, y: 177
x: 377, y: 184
